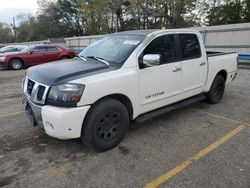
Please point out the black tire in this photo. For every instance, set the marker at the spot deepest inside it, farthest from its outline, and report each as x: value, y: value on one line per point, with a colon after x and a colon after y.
x: 105, y: 125
x: 15, y: 64
x: 217, y: 89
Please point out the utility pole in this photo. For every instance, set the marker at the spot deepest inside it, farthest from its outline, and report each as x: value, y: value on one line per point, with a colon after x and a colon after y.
x: 14, y: 28
x: 112, y: 16
x: 147, y: 11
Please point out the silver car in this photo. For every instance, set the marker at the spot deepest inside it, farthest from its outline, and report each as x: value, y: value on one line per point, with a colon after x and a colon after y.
x: 12, y: 48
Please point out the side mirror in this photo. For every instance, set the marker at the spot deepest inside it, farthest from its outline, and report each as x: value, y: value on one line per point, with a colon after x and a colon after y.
x: 31, y: 52
x: 151, y: 60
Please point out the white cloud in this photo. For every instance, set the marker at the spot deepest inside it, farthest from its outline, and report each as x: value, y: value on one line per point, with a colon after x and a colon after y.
x: 18, y: 4
x: 11, y: 8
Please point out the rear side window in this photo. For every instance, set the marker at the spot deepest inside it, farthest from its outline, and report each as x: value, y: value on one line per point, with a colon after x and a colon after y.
x: 190, y: 46
x: 40, y: 49
x: 165, y: 46
x: 52, y: 49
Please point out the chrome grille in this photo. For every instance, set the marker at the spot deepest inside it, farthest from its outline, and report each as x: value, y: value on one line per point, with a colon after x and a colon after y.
x: 30, y: 86
x: 40, y: 92
x: 35, y: 91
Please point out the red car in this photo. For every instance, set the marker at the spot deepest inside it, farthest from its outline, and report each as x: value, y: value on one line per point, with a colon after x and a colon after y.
x: 35, y: 55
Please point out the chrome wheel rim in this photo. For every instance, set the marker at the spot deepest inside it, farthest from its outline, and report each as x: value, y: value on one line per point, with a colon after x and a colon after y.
x: 16, y: 64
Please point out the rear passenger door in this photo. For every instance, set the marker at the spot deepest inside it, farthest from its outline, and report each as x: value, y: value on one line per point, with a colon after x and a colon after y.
x: 194, y: 64
x: 53, y: 53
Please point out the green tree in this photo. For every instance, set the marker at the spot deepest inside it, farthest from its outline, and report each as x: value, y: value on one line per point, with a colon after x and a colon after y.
x: 246, y: 11
x: 6, y: 34
x: 67, y: 18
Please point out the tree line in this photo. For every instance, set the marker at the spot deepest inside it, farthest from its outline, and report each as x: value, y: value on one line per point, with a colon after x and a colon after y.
x: 68, y: 18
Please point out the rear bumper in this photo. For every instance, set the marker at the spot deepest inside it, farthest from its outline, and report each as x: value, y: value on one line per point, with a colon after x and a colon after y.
x: 58, y: 122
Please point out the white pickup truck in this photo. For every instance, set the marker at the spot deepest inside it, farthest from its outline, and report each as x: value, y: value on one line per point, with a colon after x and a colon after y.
x: 135, y: 75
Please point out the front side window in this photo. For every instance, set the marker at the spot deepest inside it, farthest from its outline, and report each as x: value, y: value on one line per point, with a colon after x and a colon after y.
x: 20, y: 48
x: 52, y: 49
x: 165, y: 46
x: 190, y: 46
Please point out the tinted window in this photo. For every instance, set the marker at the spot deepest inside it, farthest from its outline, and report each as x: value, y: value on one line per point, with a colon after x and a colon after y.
x: 190, y: 46
x: 40, y: 49
x: 52, y: 49
x: 163, y: 45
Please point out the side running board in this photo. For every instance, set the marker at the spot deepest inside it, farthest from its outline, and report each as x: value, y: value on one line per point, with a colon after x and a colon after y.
x: 153, y: 114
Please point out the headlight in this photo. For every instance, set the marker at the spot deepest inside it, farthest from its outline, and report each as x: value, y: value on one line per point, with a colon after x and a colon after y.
x: 2, y: 58
x: 66, y: 95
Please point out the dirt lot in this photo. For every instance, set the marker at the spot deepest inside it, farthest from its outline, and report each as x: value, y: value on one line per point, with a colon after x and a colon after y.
x: 199, y: 146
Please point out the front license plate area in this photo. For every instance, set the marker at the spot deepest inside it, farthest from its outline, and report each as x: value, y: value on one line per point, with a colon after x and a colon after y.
x: 30, y: 115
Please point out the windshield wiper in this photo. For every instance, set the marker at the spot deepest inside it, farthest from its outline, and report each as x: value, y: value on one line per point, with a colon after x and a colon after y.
x: 82, y: 57
x: 99, y: 59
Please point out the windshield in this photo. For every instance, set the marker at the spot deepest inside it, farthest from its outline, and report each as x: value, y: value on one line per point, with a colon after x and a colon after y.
x: 113, y: 49
x: 27, y: 49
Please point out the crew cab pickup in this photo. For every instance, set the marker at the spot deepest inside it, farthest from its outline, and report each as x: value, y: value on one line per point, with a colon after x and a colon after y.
x: 134, y: 75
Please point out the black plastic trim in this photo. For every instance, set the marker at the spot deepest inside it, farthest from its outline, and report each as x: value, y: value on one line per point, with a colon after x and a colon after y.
x: 158, y: 112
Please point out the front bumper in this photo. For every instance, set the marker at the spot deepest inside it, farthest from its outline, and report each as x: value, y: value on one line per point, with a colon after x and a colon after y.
x: 3, y: 63
x: 58, y: 122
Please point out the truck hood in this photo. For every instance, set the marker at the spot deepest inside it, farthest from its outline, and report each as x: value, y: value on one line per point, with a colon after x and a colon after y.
x: 60, y: 72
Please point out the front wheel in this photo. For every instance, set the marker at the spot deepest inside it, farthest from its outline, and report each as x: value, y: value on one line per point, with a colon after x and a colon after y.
x: 217, y: 90
x: 105, y: 125
x: 15, y: 64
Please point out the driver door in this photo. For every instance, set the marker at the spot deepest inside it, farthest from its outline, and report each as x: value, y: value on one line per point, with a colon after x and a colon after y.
x: 37, y: 56
x: 160, y: 85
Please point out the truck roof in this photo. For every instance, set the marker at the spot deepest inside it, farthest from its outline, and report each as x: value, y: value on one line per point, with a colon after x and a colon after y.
x: 147, y: 32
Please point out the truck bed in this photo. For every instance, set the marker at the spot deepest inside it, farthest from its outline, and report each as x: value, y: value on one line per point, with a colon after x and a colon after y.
x: 213, y: 53
x: 221, y: 61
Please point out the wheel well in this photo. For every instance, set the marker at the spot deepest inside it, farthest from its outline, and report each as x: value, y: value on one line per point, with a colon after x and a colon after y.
x: 223, y: 73
x: 64, y: 56
x: 16, y: 58
x: 124, y: 100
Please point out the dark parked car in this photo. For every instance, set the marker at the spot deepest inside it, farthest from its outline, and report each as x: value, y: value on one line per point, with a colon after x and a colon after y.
x: 35, y: 55
x: 9, y: 49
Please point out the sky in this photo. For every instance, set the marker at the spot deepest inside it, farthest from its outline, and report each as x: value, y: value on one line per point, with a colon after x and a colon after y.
x: 11, y: 8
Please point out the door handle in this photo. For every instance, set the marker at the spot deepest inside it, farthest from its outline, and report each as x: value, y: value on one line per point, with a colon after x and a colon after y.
x: 202, y: 63
x: 176, y: 69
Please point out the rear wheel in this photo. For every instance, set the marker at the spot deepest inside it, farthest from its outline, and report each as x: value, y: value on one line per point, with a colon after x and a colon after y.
x: 217, y: 90
x: 15, y: 64
x: 105, y: 125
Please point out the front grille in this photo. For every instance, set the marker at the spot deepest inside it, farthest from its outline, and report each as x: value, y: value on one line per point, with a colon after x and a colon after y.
x: 30, y: 86
x: 40, y: 92
x: 35, y: 91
